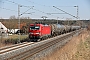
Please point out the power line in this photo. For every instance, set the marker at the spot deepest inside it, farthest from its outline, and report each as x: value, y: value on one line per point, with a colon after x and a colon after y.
x: 12, y: 2
x: 55, y: 10
x: 44, y: 12
x: 37, y: 3
x: 20, y: 5
x: 17, y: 3
x: 2, y: 1
x: 65, y: 6
x: 65, y: 12
x: 30, y: 6
x: 39, y: 11
x: 40, y: 4
x: 8, y: 9
x: 15, y: 10
x: 56, y: 13
x: 27, y: 10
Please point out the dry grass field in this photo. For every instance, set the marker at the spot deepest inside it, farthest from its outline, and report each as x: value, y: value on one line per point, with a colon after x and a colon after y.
x: 83, y: 51
x: 77, y: 49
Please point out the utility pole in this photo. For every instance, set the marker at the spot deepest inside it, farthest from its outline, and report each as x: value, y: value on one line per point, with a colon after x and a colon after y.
x: 57, y: 20
x: 19, y: 18
x: 77, y: 11
x: 44, y: 19
x: 19, y: 21
x: 1, y: 29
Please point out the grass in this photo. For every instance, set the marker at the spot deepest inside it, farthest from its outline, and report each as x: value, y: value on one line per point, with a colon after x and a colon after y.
x: 14, y: 39
x: 83, y: 52
x: 17, y: 36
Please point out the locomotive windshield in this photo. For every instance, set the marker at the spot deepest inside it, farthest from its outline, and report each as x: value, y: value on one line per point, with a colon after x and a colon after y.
x: 34, y: 27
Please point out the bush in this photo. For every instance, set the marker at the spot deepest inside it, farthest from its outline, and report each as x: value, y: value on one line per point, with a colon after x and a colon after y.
x: 88, y: 28
x: 15, y: 40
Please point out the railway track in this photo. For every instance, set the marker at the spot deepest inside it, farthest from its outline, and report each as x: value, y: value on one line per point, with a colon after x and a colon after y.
x: 3, y: 48
x: 27, y: 50
x: 44, y: 46
x: 10, y: 48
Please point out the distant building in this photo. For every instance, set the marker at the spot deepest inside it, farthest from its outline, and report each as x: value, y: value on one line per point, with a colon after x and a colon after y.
x: 12, y: 31
x: 3, y: 29
x: 15, y: 30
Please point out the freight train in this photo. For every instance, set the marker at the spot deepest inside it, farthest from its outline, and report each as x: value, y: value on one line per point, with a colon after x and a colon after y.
x: 39, y: 32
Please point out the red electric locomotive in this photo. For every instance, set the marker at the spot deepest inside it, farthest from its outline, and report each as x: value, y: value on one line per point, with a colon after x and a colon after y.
x: 38, y: 32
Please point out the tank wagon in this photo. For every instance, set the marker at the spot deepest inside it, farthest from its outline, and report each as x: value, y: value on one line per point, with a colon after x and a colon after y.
x: 39, y: 32
x: 57, y: 29
x: 75, y: 28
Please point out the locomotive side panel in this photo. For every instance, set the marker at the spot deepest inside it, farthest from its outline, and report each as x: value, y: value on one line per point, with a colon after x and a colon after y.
x: 45, y: 30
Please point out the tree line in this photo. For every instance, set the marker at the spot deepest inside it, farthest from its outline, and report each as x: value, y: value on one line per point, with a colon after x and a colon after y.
x: 12, y: 22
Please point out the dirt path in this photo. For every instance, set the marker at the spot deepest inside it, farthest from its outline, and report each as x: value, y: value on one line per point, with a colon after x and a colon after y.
x: 69, y: 49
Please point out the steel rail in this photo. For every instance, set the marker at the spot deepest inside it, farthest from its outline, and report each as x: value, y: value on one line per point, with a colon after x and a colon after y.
x: 12, y: 46
x: 7, y: 49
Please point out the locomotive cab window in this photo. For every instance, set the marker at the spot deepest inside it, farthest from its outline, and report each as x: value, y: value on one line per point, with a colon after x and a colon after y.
x: 34, y: 28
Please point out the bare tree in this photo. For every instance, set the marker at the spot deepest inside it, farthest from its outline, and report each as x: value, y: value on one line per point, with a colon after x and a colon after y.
x: 44, y: 17
x: 12, y: 17
x: 25, y: 17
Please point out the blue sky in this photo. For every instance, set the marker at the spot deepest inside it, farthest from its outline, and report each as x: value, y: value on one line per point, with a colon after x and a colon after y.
x: 42, y: 7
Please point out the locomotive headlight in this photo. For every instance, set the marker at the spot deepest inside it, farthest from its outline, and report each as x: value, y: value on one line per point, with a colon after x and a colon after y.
x: 34, y: 33
x: 37, y: 33
x: 30, y: 33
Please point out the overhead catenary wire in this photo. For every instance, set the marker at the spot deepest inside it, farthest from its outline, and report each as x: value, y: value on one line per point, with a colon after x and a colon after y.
x: 8, y: 9
x: 15, y: 10
x: 37, y: 3
x: 18, y: 3
x: 24, y: 6
x: 64, y: 11
x: 55, y: 10
x: 2, y: 1
x: 12, y: 2
x: 26, y: 11
x: 44, y: 12
x: 30, y: 6
x: 41, y: 5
